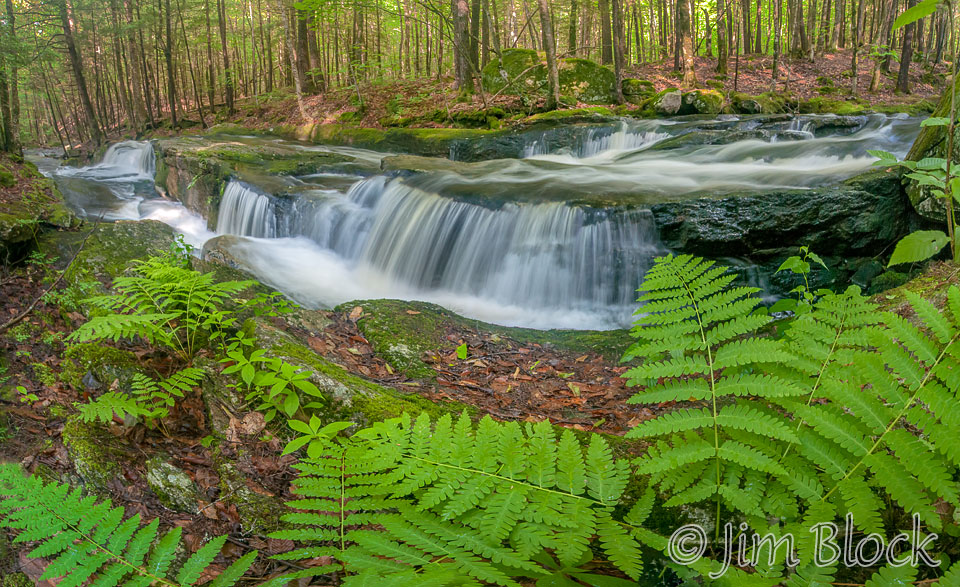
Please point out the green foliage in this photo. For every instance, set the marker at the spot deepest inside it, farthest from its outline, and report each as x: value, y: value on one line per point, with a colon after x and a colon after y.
x: 918, y: 246
x: 270, y: 381
x: 852, y: 410
x: 799, y: 265
x: 916, y: 12
x: 405, y: 502
x: 85, y: 540
x: 167, y: 303
x: 148, y: 398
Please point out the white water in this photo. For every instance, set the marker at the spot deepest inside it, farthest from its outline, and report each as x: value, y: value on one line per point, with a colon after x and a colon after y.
x: 499, y: 240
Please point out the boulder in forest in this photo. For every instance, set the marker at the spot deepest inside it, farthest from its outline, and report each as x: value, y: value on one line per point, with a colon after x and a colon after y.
x: 519, y: 71
x: 702, y: 102
x: 582, y: 80
x: 637, y: 91
x: 668, y: 102
x: 932, y: 142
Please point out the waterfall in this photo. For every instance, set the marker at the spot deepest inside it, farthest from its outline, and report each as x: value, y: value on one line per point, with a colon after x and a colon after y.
x: 594, y: 142
x: 246, y: 212
x: 534, y: 255
x: 132, y: 155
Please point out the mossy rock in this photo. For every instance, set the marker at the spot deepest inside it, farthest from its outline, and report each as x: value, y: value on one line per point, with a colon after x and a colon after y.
x: 7, y: 178
x: 703, y: 102
x: 582, y: 80
x: 17, y: 580
x: 520, y: 71
x: 887, y: 280
x: 932, y: 142
x: 430, y: 142
x: 40, y: 205
x: 667, y: 102
x: 821, y: 105
x: 637, y: 91
x: 105, y: 363
x: 571, y: 116
x: 172, y: 486
x: 259, y: 513
x: 109, y: 250
x: 760, y: 104
x: 350, y: 397
x: 94, y: 452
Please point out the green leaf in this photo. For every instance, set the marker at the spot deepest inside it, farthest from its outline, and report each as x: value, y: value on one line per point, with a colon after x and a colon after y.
x: 935, y: 121
x: 462, y: 351
x: 918, y: 246
x: 915, y: 13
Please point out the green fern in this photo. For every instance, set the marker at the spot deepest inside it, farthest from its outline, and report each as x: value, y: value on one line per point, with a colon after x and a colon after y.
x: 690, y: 332
x: 148, y: 399
x: 407, y: 501
x: 85, y: 540
x: 169, y: 304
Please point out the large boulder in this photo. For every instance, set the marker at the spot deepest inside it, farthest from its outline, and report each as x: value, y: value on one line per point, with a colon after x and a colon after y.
x: 582, y: 80
x: 702, y: 102
x: 668, y: 102
x: 932, y: 142
x: 519, y: 71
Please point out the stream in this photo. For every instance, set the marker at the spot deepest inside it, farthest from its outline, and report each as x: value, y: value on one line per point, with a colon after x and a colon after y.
x: 556, y: 233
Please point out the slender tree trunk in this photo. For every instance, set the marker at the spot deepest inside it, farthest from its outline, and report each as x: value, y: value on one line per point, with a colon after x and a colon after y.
x: 777, y: 42
x: 684, y: 12
x: 292, y: 54
x: 618, y: 49
x: 549, y: 45
x: 475, y: 33
x: 12, y: 124
x: 168, y: 57
x: 906, y: 55
x: 606, y: 37
x: 722, y: 42
x: 745, y: 15
x: 227, y: 74
x: 76, y: 64
x: 572, y: 28
x: 461, y: 44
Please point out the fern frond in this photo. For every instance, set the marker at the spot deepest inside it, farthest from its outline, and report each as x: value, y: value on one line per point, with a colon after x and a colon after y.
x: 90, y: 541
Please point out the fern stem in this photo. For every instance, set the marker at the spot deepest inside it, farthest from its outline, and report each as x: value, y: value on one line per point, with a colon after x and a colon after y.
x: 816, y: 384
x: 85, y: 537
x: 906, y: 406
x: 713, y: 391
x: 508, y: 479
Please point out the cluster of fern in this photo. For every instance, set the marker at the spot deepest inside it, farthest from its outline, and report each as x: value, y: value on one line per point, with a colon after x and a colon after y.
x: 851, y: 409
x: 86, y: 540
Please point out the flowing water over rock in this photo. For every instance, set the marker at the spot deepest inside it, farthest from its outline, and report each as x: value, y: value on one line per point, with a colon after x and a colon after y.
x: 559, y: 235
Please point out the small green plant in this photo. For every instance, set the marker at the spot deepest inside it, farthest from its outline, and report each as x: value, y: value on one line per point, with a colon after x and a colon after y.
x: 25, y: 396
x: 799, y: 265
x: 84, y: 540
x: 270, y: 381
x: 148, y: 398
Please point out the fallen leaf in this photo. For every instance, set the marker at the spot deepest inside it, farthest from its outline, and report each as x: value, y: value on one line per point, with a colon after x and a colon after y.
x: 356, y: 313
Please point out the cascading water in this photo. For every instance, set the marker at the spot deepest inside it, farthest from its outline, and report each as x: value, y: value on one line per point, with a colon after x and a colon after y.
x: 246, y: 212
x: 558, y: 238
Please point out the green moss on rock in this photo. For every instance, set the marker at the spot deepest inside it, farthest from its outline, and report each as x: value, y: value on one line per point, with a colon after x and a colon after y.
x: 821, y: 105
x: 520, y: 71
x: 637, y: 91
x: 582, y: 80
x: 93, y: 452
x: 932, y: 142
x: 703, y: 102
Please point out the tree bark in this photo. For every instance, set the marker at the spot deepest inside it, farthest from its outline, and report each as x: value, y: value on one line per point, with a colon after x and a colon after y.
x: 549, y: 45
x: 76, y: 64
x: 684, y: 12
x: 461, y: 44
x: 906, y: 55
x: 12, y: 124
x: 168, y: 57
x: 606, y: 40
x: 572, y: 30
x: 227, y: 74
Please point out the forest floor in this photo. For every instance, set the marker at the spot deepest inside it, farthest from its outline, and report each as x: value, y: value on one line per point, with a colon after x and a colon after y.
x: 801, y: 79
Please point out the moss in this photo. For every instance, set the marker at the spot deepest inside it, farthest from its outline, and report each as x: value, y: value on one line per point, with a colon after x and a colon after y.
x: 703, y: 102
x: 433, y: 142
x: 106, y: 363
x: 582, y: 80
x: 7, y: 178
x: 108, y: 252
x: 17, y: 580
x: 93, y: 453
x: 259, y: 513
x: 888, y: 280
x: 636, y: 91
x: 571, y: 115
x: 524, y: 71
x: 43, y: 374
x: 821, y: 105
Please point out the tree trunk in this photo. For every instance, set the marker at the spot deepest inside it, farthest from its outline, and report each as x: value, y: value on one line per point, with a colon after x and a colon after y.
x: 572, y: 30
x: 227, y: 74
x: 745, y: 15
x: 76, y: 64
x: 292, y: 55
x: 606, y: 38
x: 618, y: 49
x: 722, y: 42
x: 684, y: 12
x: 461, y: 44
x: 168, y: 57
x: 549, y: 45
x: 12, y: 124
x: 475, y: 33
x: 906, y: 56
